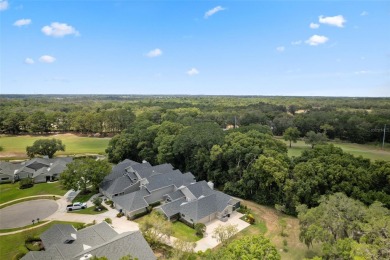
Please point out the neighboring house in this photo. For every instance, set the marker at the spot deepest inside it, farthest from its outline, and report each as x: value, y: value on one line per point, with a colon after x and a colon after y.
x: 39, y: 169
x: 7, y: 172
x: 133, y: 187
x: 63, y: 242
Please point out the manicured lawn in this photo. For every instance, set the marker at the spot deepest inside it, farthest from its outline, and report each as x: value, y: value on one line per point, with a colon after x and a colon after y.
x: 11, y: 191
x: 90, y: 211
x: 15, y: 146
x: 83, y: 197
x: 184, y: 232
x: 11, y: 244
x: 370, y: 151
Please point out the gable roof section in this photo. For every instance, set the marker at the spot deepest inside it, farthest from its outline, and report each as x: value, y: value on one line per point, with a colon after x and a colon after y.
x: 128, y: 243
x: 147, y: 172
x: 172, y: 178
x: 199, y: 208
x: 8, y: 168
x: 172, y: 208
x: 176, y: 195
x: 96, y: 234
x: 200, y: 188
x: 132, y: 201
x: 57, y: 234
x: 118, y: 185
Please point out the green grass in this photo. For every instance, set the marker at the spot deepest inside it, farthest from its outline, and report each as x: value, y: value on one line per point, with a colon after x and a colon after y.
x: 184, y: 232
x: 11, y: 191
x: 27, y: 199
x: 83, y: 197
x: 370, y: 151
x: 11, y: 244
x: 90, y: 211
x: 21, y: 228
x: 15, y: 146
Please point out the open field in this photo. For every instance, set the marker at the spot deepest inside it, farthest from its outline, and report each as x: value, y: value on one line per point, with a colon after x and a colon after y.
x: 11, y: 191
x: 10, y: 245
x: 365, y: 150
x: 15, y: 146
x: 267, y: 221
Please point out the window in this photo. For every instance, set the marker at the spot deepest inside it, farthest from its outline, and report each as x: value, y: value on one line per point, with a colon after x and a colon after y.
x: 183, y: 215
x: 5, y: 178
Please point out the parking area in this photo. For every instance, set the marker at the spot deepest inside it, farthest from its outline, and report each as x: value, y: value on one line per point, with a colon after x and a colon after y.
x: 22, y: 214
x: 208, y: 241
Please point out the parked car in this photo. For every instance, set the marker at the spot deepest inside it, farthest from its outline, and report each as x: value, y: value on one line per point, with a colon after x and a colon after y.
x: 75, y: 206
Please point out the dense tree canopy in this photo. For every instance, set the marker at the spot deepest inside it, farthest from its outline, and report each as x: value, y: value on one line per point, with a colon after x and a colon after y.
x: 84, y: 174
x: 45, y: 147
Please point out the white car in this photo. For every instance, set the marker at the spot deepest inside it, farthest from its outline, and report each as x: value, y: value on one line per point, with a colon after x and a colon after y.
x: 76, y: 205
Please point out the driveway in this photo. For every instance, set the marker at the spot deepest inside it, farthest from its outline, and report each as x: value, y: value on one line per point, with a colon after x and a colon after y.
x: 208, y: 241
x: 22, y: 214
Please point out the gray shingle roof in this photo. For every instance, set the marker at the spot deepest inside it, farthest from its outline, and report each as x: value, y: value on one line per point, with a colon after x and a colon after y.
x: 57, y: 234
x: 132, y: 201
x: 147, y: 172
x: 96, y: 234
x: 172, y: 178
x: 128, y: 243
x: 98, y: 240
x: 176, y: 195
x: 118, y: 185
x: 8, y: 168
x: 199, y: 208
x: 172, y: 208
x: 200, y: 188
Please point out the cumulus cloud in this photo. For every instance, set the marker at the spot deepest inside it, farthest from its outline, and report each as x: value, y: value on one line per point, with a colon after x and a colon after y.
x: 314, y: 25
x: 337, y: 20
x: 22, y: 22
x: 192, y: 72
x: 213, y: 11
x: 296, y: 42
x: 364, y: 13
x: 154, y: 53
x: 280, y: 49
x: 317, y: 40
x: 29, y: 61
x: 47, y: 59
x: 3, y: 5
x: 59, y: 30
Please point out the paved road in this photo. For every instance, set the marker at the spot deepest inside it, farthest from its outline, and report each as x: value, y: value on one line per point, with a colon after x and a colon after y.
x: 21, y: 214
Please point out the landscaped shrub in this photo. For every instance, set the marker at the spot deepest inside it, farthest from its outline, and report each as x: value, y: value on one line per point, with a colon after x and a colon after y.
x: 158, y: 203
x: 108, y: 220
x: 26, y: 183
x: 139, y: 215
x: 119, y: 215
x: 251, y: 219
x: 200, y: 229
x: 110, y: 203
x: 19, y: 255
x: 97, y: 202
x: 244, y: 209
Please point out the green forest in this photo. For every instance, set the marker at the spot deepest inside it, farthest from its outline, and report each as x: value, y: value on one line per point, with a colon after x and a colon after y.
x: 231, y: 141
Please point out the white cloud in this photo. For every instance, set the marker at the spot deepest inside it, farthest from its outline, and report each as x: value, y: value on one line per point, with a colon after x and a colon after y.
x: 29, y: 61
x: 317, y: 40
x: 337, y: 20
x: 213, y: 11
x: 193, y: 72
x: 3, y: 5
x: 47, y: 59
x: 22, y: 22
x: 154, y: 53
x: 296, y: 42
x: 280, y: 49
x: 364, y: 13
x: 59, y: 30
x: 314, y: 25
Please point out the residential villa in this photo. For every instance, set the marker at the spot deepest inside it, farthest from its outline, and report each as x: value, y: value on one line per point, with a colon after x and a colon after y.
x: 64, y: 242
x: 39, y: 169
x: 133, y: 187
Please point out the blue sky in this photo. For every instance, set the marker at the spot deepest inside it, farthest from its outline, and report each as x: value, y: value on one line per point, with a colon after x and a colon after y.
x: 322, y: 48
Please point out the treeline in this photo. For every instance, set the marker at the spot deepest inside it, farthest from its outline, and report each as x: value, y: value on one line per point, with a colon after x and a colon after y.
x: 249, y: 163
x: 353, y: 119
